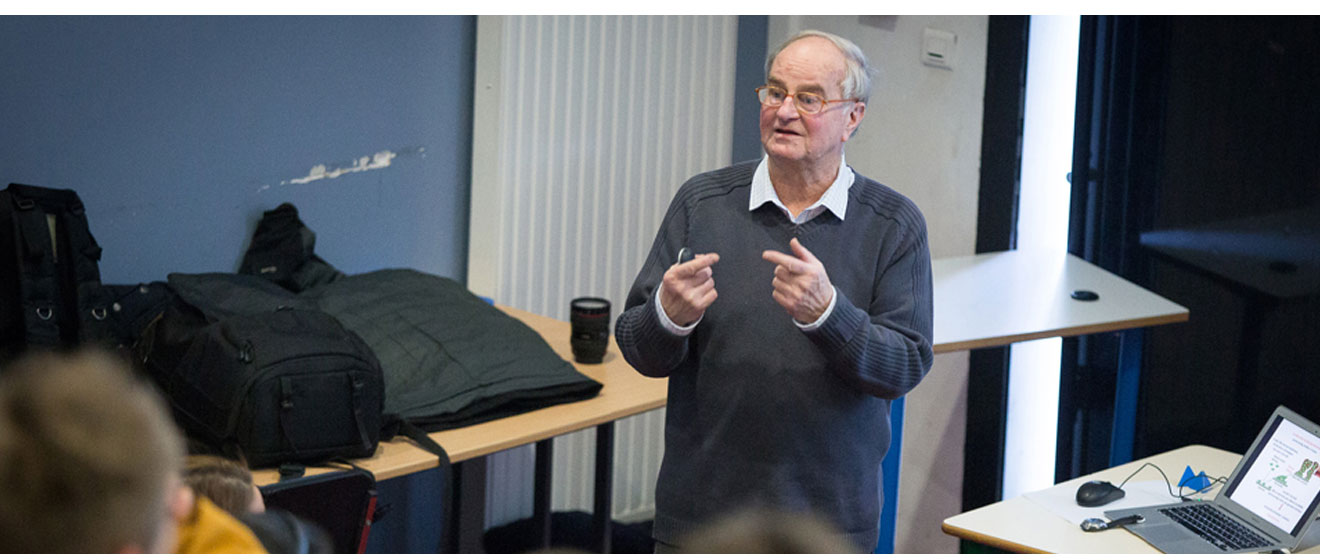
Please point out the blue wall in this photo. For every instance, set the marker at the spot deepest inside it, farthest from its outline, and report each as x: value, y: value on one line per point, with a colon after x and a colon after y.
x: 177, y: 132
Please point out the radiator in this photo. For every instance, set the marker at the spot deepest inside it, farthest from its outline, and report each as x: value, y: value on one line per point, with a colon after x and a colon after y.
x: 583, y: 129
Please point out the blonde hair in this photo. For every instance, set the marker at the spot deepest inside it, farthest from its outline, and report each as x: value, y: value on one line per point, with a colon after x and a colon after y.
x: 87, y: 454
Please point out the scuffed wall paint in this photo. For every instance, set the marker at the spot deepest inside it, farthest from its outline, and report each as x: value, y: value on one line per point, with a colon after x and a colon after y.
x: 379, y: 160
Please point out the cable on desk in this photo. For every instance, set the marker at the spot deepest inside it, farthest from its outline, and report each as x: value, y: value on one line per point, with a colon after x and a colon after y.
x: 1180, y: 495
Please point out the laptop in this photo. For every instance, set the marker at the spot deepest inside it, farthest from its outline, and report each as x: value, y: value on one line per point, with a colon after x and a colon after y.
x: 1266, y: 504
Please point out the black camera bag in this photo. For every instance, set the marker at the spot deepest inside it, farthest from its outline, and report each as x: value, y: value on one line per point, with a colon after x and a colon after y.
x: 50, y: 282
x: 284, y: 386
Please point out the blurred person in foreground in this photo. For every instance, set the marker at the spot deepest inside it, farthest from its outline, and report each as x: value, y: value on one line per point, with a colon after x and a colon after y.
x: 766, y: 531
x: 89, y: 459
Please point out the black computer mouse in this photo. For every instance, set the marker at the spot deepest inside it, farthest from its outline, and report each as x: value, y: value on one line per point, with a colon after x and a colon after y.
x: 1097, y: 493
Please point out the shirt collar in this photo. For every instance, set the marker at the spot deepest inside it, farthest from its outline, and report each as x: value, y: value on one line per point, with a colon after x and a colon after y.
x: 835, y: 198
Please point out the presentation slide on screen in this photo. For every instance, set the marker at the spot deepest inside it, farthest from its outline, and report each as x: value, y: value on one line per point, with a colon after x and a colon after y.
x: 1282, y: 482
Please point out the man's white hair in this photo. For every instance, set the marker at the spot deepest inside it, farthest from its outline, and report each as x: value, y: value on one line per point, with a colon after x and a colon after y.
x: 857, y: 74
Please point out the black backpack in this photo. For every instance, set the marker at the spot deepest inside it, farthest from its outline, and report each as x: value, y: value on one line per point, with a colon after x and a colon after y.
x: 50, y: 282
x: 284, y: 386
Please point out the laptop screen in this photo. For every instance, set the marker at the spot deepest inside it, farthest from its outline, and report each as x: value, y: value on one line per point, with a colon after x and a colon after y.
x: 1280, y: 482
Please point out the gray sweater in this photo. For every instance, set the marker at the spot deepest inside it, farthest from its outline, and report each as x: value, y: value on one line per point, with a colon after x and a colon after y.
x: 760, y: 413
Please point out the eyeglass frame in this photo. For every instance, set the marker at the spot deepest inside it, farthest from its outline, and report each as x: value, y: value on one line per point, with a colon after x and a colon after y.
x: 797, y: 105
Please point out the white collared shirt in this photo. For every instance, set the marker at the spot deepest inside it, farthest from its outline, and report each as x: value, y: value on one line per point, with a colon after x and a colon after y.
x: 835, y: 200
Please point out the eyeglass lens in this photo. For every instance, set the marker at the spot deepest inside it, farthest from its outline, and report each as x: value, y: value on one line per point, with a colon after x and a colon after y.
x: 807, y: 102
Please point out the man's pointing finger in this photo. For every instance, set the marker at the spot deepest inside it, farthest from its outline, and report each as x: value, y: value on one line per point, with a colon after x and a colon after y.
x: 801, y: 250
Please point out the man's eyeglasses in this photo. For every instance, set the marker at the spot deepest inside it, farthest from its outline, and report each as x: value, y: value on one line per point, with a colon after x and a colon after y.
x: 805, y: 101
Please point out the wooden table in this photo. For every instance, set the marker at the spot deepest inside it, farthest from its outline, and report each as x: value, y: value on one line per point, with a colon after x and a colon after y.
x: 1023, y: 525
x: 624, y: 393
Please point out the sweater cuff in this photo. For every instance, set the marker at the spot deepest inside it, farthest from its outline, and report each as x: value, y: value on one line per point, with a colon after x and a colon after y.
x: 668, y: 323
x: 844, y: 322
x: 645, y: 343
x: 823, y: 316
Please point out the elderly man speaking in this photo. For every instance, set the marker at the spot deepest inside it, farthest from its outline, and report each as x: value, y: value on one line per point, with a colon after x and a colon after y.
x: 788, y: 300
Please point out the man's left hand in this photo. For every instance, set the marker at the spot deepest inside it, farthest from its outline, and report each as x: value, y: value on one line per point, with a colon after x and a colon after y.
x: 801, y: 285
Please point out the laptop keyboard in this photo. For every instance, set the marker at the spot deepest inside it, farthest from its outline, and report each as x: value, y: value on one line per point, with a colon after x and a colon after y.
x: 1212, y: 525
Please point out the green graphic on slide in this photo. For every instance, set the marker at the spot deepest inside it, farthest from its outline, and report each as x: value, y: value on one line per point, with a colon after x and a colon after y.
x: 1308, y: 469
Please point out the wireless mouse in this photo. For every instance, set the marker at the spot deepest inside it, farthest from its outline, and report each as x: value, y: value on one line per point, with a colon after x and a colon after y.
x: 1097, y: 493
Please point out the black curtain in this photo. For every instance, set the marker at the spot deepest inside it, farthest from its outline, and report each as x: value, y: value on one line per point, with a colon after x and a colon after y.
x: 1116, y: 140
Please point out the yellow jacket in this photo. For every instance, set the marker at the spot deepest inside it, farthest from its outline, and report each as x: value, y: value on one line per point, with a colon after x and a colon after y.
x: 211, y: 530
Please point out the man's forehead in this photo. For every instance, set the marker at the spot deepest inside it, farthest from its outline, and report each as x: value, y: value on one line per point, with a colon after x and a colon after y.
x: 814, y: 60
x: 818, y: 48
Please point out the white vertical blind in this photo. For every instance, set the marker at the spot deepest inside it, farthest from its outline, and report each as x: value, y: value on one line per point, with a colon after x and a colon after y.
x: 583, y: 129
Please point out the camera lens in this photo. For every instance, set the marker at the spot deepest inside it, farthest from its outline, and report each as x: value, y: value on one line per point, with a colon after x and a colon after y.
x: 590, y: 318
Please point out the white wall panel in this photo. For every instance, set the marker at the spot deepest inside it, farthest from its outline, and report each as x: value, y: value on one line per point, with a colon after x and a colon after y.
x: 584, y: 127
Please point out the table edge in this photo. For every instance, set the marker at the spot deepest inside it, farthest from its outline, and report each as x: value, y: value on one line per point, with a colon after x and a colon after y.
x: 996, y: 341
x: 988, y: 540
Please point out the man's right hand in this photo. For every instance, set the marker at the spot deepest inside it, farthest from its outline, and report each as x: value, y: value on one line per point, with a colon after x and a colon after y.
x: 688, y: 289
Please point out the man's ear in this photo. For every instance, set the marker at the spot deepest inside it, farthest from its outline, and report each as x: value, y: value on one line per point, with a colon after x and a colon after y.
x: 855, y: 115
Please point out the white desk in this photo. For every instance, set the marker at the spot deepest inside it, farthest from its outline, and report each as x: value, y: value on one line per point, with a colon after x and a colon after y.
x: 993, y: 299
x: 1022, y: 525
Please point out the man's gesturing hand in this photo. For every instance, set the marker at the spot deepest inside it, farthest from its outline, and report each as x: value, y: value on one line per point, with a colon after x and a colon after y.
x: 801, y: 285
x: 688, y: 289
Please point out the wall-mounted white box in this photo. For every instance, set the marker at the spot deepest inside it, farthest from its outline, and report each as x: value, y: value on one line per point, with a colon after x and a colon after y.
x: 937, y: 48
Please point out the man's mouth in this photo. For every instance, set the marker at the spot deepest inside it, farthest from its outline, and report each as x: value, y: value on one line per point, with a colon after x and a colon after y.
x: 786, y: 131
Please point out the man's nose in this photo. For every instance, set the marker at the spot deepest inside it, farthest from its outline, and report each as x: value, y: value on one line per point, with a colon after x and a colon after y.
x: 787, y: 110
